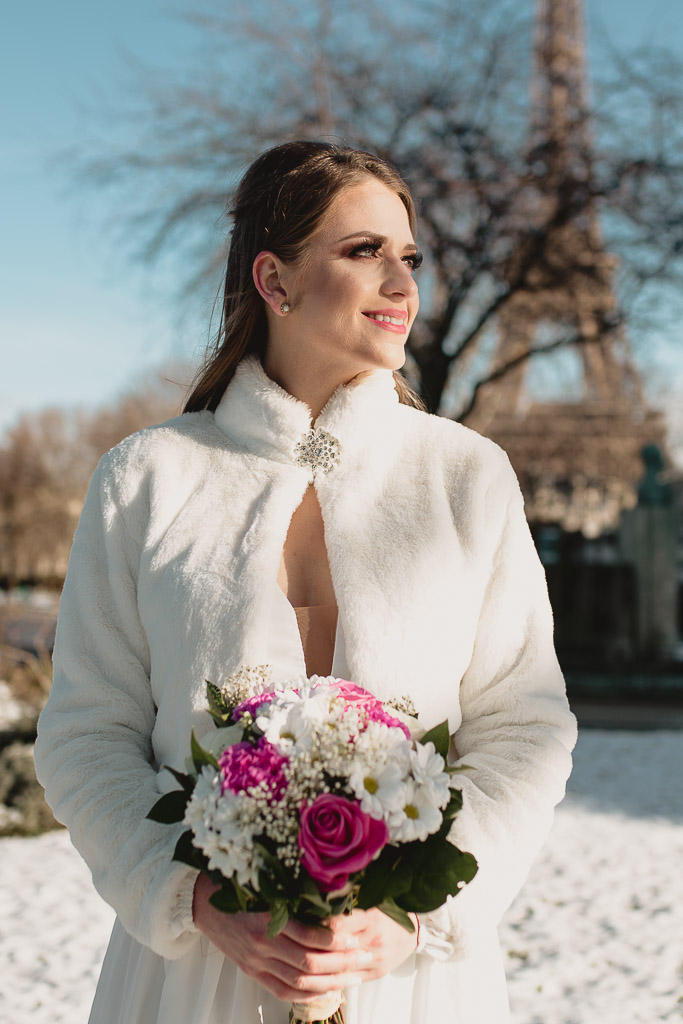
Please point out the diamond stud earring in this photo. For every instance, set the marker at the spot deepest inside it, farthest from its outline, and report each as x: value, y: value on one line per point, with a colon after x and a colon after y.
x: 284, y: 307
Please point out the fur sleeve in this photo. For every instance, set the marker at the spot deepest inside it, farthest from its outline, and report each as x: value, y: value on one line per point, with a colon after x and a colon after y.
x: 517, y: 731
x: 94, y: 752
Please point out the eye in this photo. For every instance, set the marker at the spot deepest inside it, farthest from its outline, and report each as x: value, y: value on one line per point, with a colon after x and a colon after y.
x: 413, y: 260
x: 366, y: 249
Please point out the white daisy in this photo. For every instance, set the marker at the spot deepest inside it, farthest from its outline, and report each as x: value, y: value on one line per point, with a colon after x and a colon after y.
x: 380, y: 790
x: 417, y: 817
x: 427, y: 770
x: 380, y: 743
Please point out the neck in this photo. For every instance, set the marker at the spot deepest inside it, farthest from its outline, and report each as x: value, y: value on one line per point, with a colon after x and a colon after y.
x: 309, y: 382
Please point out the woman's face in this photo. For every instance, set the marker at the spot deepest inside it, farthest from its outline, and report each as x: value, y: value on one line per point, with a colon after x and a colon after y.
x: 352, y: 294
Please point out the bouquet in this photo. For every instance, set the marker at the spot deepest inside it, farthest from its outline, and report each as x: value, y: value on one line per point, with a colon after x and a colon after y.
x: 314, y: 798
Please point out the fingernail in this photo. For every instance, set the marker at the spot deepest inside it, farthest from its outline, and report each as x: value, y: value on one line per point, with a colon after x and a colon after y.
x: 353, y: 981
x: 364, y: 958
x: 351, y: 941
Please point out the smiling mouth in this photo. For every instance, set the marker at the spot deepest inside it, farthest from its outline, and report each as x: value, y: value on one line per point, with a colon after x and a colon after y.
x: 387, y: 321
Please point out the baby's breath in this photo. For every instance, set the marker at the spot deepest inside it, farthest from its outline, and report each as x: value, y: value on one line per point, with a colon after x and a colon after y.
x: 244, y: 683
x: 404, y: 704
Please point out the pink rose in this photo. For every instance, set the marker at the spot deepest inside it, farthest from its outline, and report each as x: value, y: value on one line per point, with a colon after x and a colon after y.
x: 338, y: 838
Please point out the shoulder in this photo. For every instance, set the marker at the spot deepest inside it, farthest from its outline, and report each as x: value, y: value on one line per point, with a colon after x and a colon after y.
x: 467, y: 471
x: 459, y: 451
x: 176, y: 449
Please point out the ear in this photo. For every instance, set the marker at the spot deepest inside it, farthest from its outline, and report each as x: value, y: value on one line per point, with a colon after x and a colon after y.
x: 267, y: 273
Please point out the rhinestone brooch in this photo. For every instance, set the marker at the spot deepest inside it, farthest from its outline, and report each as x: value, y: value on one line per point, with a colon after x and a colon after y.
x: 318, y: 450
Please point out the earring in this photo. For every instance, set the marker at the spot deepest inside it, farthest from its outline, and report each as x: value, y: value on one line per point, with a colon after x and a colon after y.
x: 284, y: 308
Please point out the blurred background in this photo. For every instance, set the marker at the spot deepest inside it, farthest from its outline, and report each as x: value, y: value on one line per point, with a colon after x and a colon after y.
x: 544, y: 143
x: 543, y: 140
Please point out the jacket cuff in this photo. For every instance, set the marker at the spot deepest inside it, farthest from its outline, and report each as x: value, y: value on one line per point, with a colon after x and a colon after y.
x: 182, y: 921
x: 432, y: 941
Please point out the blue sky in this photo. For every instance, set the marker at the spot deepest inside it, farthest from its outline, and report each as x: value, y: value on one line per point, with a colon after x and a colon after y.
x: 77, y: 322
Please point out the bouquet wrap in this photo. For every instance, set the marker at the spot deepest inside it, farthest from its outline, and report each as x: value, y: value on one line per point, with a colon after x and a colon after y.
x: 322, y: 1009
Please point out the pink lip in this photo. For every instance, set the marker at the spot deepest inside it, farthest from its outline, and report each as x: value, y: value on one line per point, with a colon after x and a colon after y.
x: 396, y: 313
x: 388, y: 312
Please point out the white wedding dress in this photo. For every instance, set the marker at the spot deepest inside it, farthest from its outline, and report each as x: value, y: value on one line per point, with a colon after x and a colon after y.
x: 137, y: 986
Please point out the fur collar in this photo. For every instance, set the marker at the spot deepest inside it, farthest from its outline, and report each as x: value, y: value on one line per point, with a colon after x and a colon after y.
x: 259, y: 415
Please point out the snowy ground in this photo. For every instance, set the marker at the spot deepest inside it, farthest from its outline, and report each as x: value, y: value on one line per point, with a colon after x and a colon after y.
x: 595, y: 937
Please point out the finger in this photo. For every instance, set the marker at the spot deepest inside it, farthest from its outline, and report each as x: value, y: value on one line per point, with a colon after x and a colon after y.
x: 300, y: 987
x: 317, y: 962
x: 316, y: 937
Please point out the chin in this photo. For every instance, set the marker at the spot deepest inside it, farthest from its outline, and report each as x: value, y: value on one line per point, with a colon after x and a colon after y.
x: 392, y: 360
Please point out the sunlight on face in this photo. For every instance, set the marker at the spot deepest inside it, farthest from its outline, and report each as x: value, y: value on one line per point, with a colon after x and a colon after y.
x: 354, y: 294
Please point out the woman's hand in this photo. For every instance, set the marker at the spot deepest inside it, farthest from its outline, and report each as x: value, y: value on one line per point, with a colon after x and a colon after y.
x: 383, y: 944
x: 302, y: 962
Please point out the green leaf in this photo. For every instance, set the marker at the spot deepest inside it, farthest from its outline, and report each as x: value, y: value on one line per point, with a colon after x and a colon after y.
x: 439, y: 870
x: 396, y: 914
x: 216, y: 699
x: 450, y: 810
x: 170, y: 808
x: 243, y: 895
x: 220, y: 721
x: 274, y: 865
x: 440, y: 737
x: 308, y: 891
x: 186, y: 853
x: 389, y: 876
x: 455, y: 802
x: 200, y: 756
x: 270, y: 888
x: 219, y: 709
x: 400, y: 879
x: 225, y: 900
x: 279, y: 916
x: 317, y: 901
x: 373, y: 887
x: 186, y: 781
x: 342, y: 904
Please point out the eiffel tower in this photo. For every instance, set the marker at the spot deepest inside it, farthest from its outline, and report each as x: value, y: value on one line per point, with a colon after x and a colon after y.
x: 578, y: 462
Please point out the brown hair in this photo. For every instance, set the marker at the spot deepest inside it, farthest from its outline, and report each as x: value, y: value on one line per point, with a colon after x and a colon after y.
x: 279, y: 202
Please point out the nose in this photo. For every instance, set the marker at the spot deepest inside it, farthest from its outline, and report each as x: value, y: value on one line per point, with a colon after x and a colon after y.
x: 399, y: 281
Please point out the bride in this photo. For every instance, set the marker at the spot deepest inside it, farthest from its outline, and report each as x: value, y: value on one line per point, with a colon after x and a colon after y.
x: 303, y: 515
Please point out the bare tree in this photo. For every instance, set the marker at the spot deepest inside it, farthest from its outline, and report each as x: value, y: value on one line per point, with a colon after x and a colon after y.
x: 36, y: 473
x: 46, y: 461
x: 441, y: 89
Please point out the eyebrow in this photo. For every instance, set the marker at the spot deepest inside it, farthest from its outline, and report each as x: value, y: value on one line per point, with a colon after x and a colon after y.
x: 374, y: 235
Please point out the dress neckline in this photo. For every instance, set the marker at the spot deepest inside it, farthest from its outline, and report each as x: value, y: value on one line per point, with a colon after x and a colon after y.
x: 317, y: 626
x: 313, y: 607
x: 285, y: 646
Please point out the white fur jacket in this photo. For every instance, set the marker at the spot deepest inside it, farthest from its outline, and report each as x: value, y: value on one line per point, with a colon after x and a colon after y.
x: 171, y: 582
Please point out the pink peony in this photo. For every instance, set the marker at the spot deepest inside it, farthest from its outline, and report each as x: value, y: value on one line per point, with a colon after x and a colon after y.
x: 337, y: 838
x: 245, y: 765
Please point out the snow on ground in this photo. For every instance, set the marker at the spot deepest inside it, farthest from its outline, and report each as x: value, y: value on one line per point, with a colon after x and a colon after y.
x: 595, y: 937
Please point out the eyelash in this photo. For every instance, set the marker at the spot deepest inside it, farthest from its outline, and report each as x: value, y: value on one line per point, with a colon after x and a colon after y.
x: 414, y: 259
